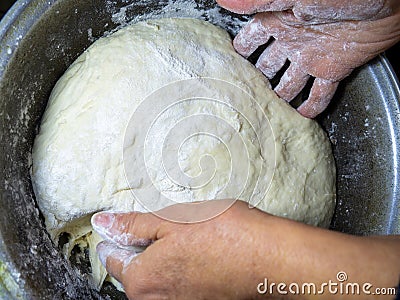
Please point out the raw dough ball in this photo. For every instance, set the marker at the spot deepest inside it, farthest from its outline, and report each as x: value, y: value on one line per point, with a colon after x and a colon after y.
x: 78, y: 165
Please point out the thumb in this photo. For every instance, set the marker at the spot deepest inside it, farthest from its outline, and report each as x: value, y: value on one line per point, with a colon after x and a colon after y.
x: 127, y: 229
x: 253, y: 6
x: 115, y: 259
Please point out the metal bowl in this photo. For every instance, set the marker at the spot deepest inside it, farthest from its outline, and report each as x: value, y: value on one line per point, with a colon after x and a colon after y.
x: 40, y: 39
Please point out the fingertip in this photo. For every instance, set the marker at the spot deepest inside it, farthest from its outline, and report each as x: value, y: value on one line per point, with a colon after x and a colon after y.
x: 271, y: 60
x: 104, y: 249
x: 102, y: 219
x: 320, y: 96
x: 102, y: 222
x: 308, y: 113
x: 250, y: 37
x: 114, y: 258
x: 244, y: 44
x: 292, y: 83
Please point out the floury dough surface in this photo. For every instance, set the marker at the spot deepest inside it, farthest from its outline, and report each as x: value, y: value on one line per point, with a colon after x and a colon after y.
x: 78, y: 166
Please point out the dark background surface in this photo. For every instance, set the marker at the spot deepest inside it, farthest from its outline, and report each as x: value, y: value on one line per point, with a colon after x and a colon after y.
x: 393, y: 54
x: 4, y: 6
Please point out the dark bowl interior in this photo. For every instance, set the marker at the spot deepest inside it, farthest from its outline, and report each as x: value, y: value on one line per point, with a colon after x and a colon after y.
x: 40, y: 39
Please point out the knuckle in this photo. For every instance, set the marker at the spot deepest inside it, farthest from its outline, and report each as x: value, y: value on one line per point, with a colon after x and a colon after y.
x: 301, y: 13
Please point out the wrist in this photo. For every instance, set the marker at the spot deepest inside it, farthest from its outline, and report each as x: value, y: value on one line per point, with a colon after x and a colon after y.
x: 294, y: 253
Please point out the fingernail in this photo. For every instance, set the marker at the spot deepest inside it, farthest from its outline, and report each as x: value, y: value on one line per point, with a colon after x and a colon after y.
x: 103, y: 219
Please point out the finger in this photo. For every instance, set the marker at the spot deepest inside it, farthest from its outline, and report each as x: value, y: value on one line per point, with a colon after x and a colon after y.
x: 291, y: 83
x: 141, y: 229
x: 327, y: 10
x: 321, y: 94
x: 127, y: 229
x: 253, y: 6
x: 115, y: 259
x: 250, y: 37
x: 271, y: 60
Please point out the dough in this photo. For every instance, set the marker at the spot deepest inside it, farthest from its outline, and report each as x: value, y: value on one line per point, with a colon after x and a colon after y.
x: 262, y: 151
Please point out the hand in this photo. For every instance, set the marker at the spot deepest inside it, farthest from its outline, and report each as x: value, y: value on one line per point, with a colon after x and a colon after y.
x: 228, y: 256
x: 215, y: 259
x: 325, y: 40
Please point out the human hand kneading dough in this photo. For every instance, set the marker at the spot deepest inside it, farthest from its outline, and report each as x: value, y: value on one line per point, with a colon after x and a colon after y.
x: 228, y: 256
x: 325, y: 39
